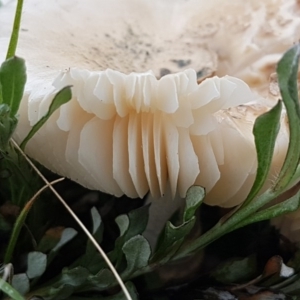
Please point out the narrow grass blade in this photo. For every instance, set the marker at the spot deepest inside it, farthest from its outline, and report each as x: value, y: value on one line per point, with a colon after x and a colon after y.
x: 62, y: 97
x: 16, y: 29
x: 10, y: 291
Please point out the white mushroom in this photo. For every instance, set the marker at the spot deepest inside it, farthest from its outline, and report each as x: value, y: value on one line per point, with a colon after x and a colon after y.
x: 129, y: 130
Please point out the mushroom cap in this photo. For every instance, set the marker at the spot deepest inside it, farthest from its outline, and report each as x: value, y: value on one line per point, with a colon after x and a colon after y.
x: 138, y: 119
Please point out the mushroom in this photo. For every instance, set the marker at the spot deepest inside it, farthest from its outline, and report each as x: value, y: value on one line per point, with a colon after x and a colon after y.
x: 160, y: 102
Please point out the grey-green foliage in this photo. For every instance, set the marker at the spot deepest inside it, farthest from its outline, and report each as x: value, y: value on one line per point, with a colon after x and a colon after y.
x: 90, y: 273
x: 36, y: 264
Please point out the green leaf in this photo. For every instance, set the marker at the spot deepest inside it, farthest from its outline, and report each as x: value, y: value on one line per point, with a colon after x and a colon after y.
x: 236, y: 270
x: 62, y: 97
x: 194, y: 198
x: 37, y: 263
x: 13, y: 79
x: 9, y: 290
x: 265, y: 132
x: 137, y: 252
x: 96, y: 218
x: 21, y: 283
x: 287, y: 71
x: 123, y: 223
x: 91, y: 251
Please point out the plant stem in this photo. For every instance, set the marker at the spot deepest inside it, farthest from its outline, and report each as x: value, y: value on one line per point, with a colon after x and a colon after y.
x: 16, y: 28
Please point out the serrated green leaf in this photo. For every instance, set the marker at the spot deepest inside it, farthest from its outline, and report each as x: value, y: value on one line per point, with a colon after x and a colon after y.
x: 265, y: 130
x: 194, y: 198
x: 137, y: 253
x: 287, y: 71
x: 21, y: 283
x: 10, y: 291
x: 13, y: 79
x: 36, y: 264
x: 62, y: 97
x: 236, y: 270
